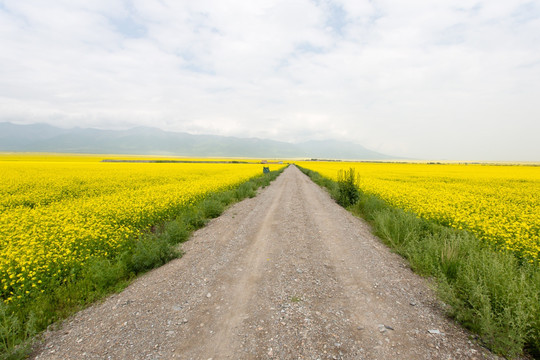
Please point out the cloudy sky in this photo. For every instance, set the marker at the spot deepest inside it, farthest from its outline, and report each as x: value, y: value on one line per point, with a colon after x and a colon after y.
x: 445, y: 79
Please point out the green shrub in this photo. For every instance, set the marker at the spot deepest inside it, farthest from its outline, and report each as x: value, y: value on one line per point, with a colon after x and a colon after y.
x: 103, y: 274
x: 12, y: 333
x: 212, y: 208
x: 148, y: 253
x: 244, y: 191
x: 176, y: 232
x: 348, y: 182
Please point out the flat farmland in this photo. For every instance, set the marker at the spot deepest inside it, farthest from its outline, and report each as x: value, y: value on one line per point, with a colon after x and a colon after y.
x: 58, y: 212
x: 499, y: 204
x: 285, y: 274
x: 288, y: 274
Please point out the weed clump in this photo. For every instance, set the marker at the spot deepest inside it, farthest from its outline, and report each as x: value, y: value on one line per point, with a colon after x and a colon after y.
x: 347, y: 190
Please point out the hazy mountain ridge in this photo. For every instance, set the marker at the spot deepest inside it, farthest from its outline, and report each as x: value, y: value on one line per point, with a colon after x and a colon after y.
x: 153, y: 141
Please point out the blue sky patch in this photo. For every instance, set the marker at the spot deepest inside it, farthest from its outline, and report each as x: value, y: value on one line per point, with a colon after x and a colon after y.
x: 336, y: 17
x: 128, y: 27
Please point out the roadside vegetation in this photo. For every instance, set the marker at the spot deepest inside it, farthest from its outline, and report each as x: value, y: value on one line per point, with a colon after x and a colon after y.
x: 494, y: 293
x: 20, y: 322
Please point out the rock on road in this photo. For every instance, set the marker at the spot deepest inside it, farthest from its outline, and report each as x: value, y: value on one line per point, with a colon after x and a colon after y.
x: 288, y: 274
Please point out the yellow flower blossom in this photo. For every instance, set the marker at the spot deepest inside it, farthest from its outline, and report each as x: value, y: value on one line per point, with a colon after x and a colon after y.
x: 58, y: 212
x: 499, y: 204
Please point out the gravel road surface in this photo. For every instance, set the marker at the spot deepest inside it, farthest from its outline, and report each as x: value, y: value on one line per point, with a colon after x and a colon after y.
x: 288, y: 274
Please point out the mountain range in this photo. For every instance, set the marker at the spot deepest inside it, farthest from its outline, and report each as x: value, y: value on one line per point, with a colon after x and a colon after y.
x: 153, y: 141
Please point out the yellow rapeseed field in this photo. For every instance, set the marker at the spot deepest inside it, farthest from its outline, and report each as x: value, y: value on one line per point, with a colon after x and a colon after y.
x: 56, y: 212
x: 499, y: 204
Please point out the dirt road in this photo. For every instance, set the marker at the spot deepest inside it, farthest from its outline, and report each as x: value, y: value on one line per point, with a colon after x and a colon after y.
x: 286, y: 275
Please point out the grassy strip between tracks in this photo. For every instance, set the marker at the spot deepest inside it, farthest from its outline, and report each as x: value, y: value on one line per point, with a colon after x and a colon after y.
x: 490, y: 292
x: 102, y: 277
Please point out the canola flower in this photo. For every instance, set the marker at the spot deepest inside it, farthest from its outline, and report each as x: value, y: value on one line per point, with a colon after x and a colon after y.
x: 499, y: 204
x: 56, y: 214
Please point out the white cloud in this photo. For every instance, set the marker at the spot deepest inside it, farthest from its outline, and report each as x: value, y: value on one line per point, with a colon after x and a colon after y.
x: 420, y: 79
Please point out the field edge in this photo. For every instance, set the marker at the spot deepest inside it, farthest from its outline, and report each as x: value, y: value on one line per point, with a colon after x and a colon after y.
x: 20, y: 328
x: 491, y: 293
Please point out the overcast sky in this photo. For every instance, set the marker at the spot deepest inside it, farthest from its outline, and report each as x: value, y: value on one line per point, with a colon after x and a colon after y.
x: 445, y: 79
